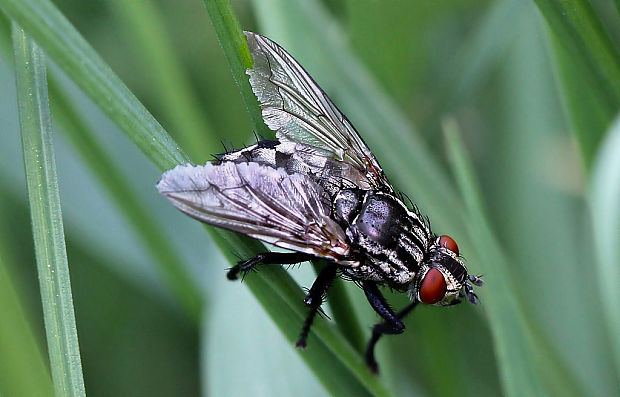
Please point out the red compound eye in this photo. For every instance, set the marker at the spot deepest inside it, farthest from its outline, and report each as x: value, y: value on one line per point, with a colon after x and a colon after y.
x: 433, y: 287
x: 449, y: 243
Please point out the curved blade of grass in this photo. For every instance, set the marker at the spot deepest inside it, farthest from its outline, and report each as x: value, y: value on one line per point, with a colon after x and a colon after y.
x: 154, y: 50
x: 587, y: 52
x: 605, y: 208
x: 582, y: 33
x: 46, y: 216
x: 528, y: 365
x: 586, y: 109
x: 237, y: 53
x: 145, y: 226
x: 55, y: 34
x: 85, y: 67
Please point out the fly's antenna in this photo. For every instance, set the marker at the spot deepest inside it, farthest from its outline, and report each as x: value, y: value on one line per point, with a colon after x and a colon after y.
x: 256, y: 136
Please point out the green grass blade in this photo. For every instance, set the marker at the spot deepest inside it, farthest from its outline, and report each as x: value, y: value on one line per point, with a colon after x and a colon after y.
x: 236, y: 49
x: 514, y: 335
x: 46, y: 216
x: 177, y: 101
x: 55, y: 34
x: 587, y: 110
x: 587, y: 63
x: 581, y: 31
x: 145, y: 226
x: 23, y: 370
x: 605, y: 208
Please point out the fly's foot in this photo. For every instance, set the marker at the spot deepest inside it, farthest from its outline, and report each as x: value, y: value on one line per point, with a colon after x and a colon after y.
x: 243, y: 267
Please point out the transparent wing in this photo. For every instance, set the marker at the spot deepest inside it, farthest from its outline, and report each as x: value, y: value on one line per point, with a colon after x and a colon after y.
x: 299, y: 111
x: 259, y: 201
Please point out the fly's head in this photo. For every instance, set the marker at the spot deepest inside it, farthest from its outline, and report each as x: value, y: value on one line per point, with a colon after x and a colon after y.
x: 443, y: 279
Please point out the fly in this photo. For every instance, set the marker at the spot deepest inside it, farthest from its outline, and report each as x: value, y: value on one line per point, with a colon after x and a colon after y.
x: 318, y: 191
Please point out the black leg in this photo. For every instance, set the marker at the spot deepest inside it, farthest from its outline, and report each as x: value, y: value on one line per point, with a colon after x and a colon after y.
x: 314, y: 299
x: 476, y: 280
x: 392, y: 324
x: 267, y: 258
x: 471, y: 296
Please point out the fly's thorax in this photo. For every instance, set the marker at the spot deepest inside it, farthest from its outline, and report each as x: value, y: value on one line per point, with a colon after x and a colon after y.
x: 390, y: 238
x: 347, y: 205
x: 440, y: 280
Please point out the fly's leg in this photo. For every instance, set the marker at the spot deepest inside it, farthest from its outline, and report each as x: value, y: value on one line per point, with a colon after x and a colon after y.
x: 471, y: 295
x: 392, y: 324
x: 266, y: 258
x: 314, y: 299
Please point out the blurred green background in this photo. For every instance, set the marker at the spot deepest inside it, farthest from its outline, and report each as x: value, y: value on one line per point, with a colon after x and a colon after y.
x: 532, y: 104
